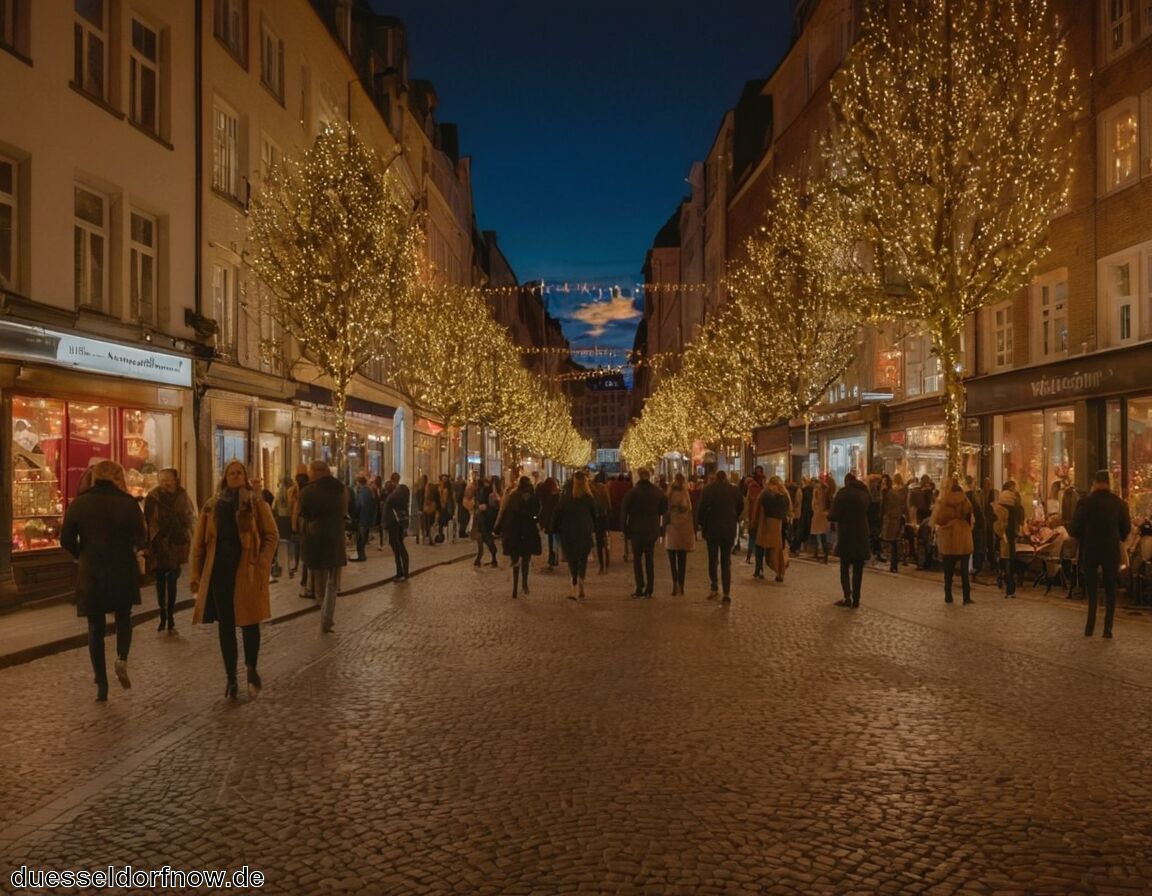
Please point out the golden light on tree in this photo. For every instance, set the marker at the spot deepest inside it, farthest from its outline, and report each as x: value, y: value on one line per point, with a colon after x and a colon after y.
x: 953, y: 148
x: 335, y: 241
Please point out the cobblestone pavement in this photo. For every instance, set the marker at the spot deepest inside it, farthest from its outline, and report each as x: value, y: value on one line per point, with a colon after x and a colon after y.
x: 448, y: 739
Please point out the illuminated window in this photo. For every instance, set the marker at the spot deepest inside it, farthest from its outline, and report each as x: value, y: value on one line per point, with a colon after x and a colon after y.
x: 224, y: 308
x: 90, y: 249
x: 1050, y: 304
x: 1118, y: 282
x: 225, y: 151
x: 90, y: 47
x: 1121, y: 136
x: 1002, y: 340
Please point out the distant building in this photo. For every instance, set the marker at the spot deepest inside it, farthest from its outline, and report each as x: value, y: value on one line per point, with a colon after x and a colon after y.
x: 601, y: 411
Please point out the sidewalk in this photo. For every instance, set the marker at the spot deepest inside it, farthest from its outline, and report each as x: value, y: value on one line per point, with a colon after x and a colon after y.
x: 30, y: 633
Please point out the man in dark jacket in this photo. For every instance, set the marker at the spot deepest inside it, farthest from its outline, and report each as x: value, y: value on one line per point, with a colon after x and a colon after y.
x: 323, y: 507
x: 1101, y: 524
x: 719, y: 513
x: 396, y: 523
x: 853, y: 540
x: 640, y: 514
x: 364, y: 511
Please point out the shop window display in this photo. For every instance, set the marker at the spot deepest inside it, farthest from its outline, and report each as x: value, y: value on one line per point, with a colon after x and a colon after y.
x: 1140, y: 457
x: 37, y: 463
x: 145, y: 448
x: 1035, y: 448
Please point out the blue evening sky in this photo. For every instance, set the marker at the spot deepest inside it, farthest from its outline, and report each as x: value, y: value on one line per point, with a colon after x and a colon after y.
x: 582, y: 118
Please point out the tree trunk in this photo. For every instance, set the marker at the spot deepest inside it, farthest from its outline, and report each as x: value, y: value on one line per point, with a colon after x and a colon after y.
x: 947, y: 349
x: 340, y: 408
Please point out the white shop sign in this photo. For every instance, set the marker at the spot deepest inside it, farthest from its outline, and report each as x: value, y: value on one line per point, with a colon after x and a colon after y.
x: 95, y: 355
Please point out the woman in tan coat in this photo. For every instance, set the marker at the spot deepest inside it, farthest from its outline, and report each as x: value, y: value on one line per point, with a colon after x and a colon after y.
x: 232, y: 556
x: 952, y: 517
x: 679, y: 531
x: 775, y: 509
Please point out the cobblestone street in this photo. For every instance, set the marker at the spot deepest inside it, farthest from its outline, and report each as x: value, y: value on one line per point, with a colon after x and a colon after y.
x: 447, y: 739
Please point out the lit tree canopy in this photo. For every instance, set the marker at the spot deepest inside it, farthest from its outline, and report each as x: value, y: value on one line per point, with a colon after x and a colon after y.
x: 332, y: 238
x: 953, y: 148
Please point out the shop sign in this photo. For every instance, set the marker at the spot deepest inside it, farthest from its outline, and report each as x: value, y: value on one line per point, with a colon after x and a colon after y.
x: 94, y: 355
x: 1090, y: 376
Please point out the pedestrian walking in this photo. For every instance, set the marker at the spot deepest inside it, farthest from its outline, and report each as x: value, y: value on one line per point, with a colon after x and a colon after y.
x: 1101, y: 523
x: 463, y: 512
x: 719, y: 512
x: 575, y: 525
x: 447, y: 506
x: 282, y: 513
x: 432, y: 507
x: 979, y: 523
x: 807, y: 486
x: 468, y: 507
x: 603, y: 500
x: 364, y: 515
x: 752, y: 510
x: 104, y: 530
x: 679, y: 532
x: 323, y: 508
x: 231, y: 556
x: 617, y: 489
x: 641, y: 510
x: 487, y: 510
x: 170, y: 519
x: 850, y: 514
x: 396, y: 505
x: 517, y: 524
x: 953, y: 517
x: 772, y: 521
x: 301, y: 479
x: 548, y: 494
x: 893, y: 500
x: 819, y: 525
x: 1009, y: 511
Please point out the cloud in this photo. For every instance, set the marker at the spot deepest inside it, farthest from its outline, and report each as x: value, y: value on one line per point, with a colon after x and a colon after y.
x: 599, y: 315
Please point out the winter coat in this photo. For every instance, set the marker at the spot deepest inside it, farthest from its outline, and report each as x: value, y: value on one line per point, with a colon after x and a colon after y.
x: 365, y: 514
x: 548, y: 502
x: 323, y: 507
x: 575, y: 522
x: 396, y: 506
x: 775, y: 508
x: 752, y: 503
x: 820, y: 507
x: 603, y: 501
x: 953, y: 517
x: 617, y: 491
x: 258, y: 539
x: 516, y: 523
x: 1014, y: 514
x: 720, y: 506
x: 103, y: 529
x: 641, y: 511
x: 170, y: 519
x: 850, y: 514
x: 680, y: 528
x: 892, y: 505
x: 1101, y: 524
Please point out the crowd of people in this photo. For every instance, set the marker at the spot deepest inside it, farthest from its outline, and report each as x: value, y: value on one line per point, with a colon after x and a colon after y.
x: 232, y: 544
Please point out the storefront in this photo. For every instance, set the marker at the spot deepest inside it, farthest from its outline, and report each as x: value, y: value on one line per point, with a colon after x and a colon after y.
x: 1052, y: 427
x: 430, y: 449
x: 771, y: 450
x: 911, y: 441
x: 70, y: 401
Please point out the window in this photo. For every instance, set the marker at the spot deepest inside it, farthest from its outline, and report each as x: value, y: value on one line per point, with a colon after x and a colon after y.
x: 144, y: 76
x: 1120, y: 301
x: 8, y: 221
x: 13, y: 21
x: 1121, y: 153
x: 269, y: 157
x: 1117, y: 26
x: 1050, y: 300
x: 224, y: 308
x: 1002, y: 342
x: 272, y: 61
x: 90, y: 249
x: 225, y: 152
x: 90, y: 71
x: 142, y: 286
x: 228, y: 24
x: 921, y: 366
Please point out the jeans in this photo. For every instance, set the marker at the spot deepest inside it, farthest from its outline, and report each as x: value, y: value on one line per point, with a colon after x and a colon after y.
x: 720, y: 551
x: 166, y: 593
x: 951, y: 561
x: 751, y: 542
x: 1091, y: 569
x: 363, y: 533
x: 399, y: 551
x: 226, y: 630
x: 678, y: 563
x: 644, y: 562
x: 851, y: 578
x: 325, y: 584
x: 97, y: 629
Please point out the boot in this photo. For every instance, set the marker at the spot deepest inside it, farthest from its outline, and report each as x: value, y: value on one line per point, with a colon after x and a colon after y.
x: 581, y: 592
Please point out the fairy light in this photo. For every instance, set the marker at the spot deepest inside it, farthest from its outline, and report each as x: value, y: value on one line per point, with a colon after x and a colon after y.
x: 953, y: 139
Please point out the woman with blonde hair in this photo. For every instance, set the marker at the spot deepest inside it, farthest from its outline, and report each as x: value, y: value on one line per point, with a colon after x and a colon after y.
x: 575, y: 522
x: 104, y: 530
x: 232, y: 552
x: 775, y: 509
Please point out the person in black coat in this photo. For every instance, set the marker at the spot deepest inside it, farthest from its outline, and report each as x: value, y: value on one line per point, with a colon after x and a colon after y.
x: 640, y: 515
x: 519, y: 530
x: 323, y: 508
x: 719, y: 514
x: 575, y: 522
x: 104, y: 529
x: 853, y: 539
x: 395, y: 515
x: 1100, y: 523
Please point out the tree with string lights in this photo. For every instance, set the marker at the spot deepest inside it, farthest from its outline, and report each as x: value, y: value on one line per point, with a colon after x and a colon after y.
x: 335, y: 241
x: 952, y: 146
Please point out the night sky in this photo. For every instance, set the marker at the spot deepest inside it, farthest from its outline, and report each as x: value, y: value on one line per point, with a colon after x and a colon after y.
x: 582, y: 118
